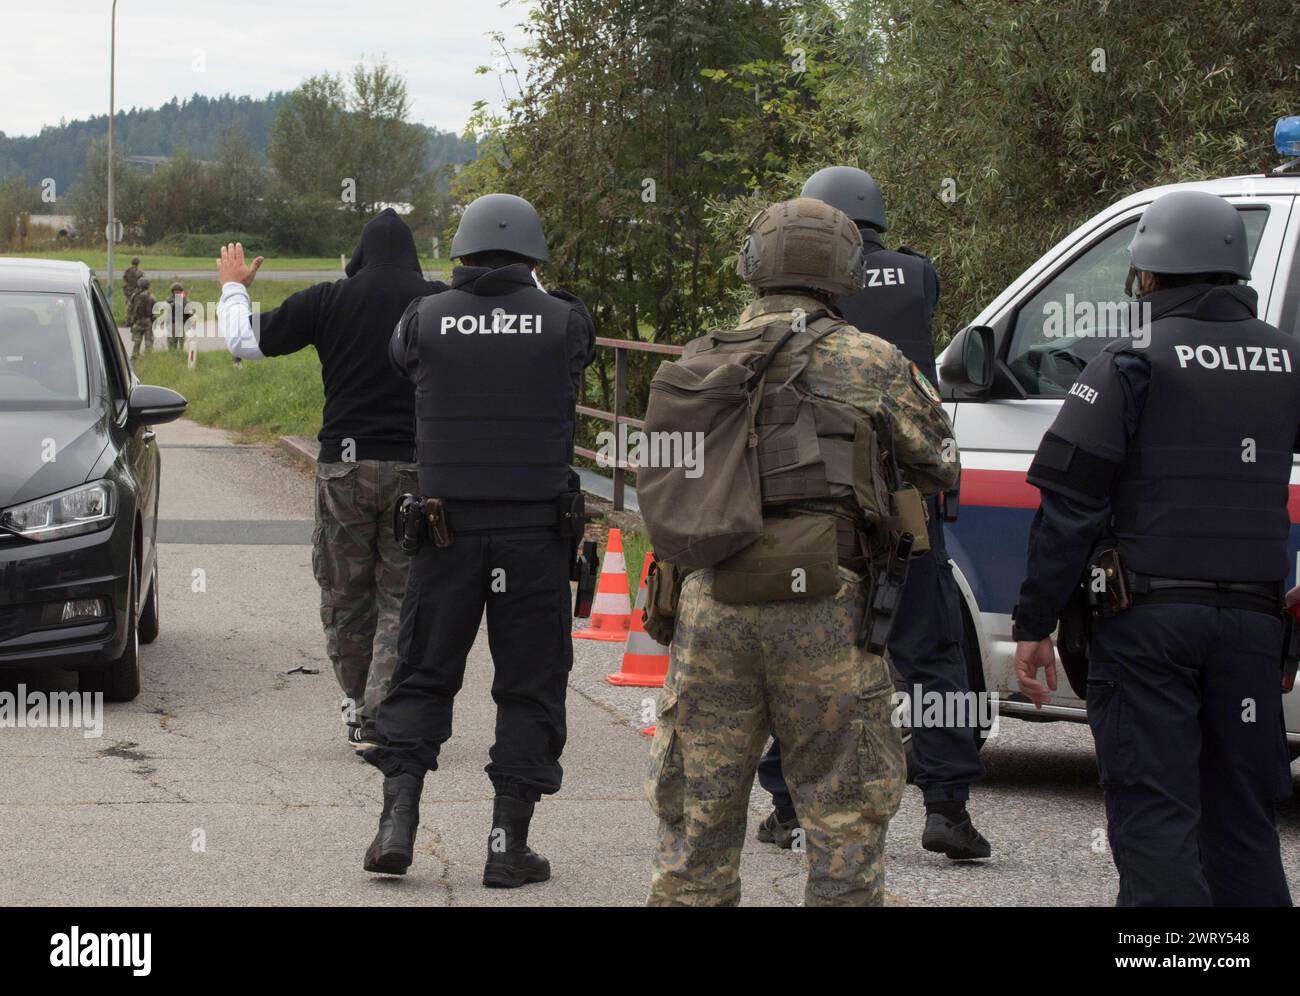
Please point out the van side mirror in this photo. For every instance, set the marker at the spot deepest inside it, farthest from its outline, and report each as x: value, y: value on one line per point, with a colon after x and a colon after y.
x: 968, y: 362
x: 151, y: 405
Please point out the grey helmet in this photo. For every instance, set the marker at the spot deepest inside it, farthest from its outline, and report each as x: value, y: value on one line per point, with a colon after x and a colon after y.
x: 135, y: 260
x: 500, y: 222
x: 1189, y: 231
x: 850, y: 189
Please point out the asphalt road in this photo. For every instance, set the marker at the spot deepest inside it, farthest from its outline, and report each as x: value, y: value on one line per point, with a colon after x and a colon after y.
x: 228, y: 780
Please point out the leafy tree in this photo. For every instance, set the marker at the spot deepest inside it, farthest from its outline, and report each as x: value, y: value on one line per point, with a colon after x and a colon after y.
x: 614, y: 136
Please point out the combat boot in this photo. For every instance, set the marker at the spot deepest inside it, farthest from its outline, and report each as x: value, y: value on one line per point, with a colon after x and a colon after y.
x: 775, y: 830
x: 956, y: 838
x: 511, y: 863
x: 391, y: 851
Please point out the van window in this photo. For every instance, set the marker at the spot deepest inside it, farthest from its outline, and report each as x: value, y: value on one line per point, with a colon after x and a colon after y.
x: 1082, y: 308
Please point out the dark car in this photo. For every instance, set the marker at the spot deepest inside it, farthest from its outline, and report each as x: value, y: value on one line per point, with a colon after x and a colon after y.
x: 79, y: 479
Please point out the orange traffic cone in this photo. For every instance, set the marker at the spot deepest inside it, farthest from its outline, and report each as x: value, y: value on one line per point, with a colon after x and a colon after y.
x: 645, y: 660
x: 609, y: 615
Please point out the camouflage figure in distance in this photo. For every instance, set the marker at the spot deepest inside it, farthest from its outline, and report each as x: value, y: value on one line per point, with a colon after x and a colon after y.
x: 140, y: 317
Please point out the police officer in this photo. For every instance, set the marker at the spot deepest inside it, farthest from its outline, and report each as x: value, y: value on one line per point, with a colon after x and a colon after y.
x: 497, y: 363
x: 1174, y: 449
x: 742, y: 666
x: 897, y: 303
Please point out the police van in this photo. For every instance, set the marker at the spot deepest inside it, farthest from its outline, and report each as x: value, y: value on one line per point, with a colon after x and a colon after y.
x: 1004, y: 376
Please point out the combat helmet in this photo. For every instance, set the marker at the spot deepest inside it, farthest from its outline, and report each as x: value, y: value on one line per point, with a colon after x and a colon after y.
x: 1190, y: 231
x: 802, y: 244
x: 500, y: 222
x: 854, y: 191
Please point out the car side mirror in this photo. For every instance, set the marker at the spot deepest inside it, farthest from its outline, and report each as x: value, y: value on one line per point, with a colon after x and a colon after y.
x: 968, y: 362
x: 151, y: 405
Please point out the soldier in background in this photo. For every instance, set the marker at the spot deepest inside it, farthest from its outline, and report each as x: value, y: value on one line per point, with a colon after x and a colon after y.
x: 131, y: 281
x: 140, y: 317
x: 180, y: 312
x: 740, y: 668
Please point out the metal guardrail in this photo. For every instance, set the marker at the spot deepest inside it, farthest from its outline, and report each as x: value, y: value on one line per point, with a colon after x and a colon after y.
x: 622, y: 348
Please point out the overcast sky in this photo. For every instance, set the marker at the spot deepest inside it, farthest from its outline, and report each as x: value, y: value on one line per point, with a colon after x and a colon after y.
x: 54, y: 53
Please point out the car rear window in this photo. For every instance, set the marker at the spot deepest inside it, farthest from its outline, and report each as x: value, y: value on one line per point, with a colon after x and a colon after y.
x: 42, y: 352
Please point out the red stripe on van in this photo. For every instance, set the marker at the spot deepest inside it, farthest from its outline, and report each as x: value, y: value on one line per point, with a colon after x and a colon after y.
x: 999, y: 488
x: 1009, y: 489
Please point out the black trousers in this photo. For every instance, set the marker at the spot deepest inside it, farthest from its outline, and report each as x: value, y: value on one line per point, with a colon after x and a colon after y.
x: 521, y: 579
x: 1185, y: 705
x: 925, y: 647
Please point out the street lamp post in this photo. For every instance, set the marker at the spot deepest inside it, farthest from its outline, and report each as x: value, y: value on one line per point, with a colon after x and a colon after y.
x: 110, y: 229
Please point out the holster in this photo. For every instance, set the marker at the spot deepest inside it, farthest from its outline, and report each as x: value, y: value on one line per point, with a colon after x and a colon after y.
x: 884, y: 591
x: 1107, y: 587
x: 584, y: 572
x: 1074, y: 629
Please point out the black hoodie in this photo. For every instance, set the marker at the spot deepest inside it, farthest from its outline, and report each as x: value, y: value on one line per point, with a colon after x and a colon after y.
x: 350, y: 322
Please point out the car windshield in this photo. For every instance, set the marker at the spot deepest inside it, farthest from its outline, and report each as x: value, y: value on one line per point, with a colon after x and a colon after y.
x: 42, y: 353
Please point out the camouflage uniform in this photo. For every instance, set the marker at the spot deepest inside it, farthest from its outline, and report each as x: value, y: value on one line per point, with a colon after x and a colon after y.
x: 791, y: 667
x: 361, y: 570
x: 130, y: 278
x: 140, y: 318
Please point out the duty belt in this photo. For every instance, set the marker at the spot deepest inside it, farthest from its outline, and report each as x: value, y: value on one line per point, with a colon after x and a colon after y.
x: 486, y: 516
x: 1261, y: 596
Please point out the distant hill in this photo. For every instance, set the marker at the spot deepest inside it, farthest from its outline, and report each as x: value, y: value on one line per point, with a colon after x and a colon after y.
x: 59, y: 151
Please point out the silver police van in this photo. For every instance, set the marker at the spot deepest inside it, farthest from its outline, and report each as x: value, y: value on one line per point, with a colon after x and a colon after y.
x: 1004, y: 376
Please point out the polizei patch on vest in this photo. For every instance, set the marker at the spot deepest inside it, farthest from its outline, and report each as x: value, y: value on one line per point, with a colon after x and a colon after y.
x: 1248, y: 359
x: 924, y: 386
x: 498, y: 323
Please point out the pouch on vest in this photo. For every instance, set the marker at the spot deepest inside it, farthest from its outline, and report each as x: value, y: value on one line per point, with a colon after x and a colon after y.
x: 663, y: 590
x: 697, y: 516
x: 794, y: 558
x: 907, y: 514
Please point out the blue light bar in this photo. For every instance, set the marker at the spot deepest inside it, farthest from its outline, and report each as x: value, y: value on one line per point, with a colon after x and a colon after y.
x: 1286, y: 136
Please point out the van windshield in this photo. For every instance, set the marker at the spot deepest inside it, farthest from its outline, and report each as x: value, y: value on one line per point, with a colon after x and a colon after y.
x: 42, y: 353
x: 1081, y: 309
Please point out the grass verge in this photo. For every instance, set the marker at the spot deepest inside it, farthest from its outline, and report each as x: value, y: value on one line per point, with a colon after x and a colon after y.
x: 261, y: 400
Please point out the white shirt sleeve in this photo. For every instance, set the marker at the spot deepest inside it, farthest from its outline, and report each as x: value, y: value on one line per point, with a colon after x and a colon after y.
x: 234, y: 318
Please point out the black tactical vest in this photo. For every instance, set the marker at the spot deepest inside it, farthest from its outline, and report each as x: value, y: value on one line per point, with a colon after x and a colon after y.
x: 494, y: 399
x: 1202, y: 493
x: 894, y: 305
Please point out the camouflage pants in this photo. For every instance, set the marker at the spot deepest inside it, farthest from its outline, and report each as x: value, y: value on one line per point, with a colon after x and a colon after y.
x: 362, y: 572
x: 736, y: 672
x: 141, y: 341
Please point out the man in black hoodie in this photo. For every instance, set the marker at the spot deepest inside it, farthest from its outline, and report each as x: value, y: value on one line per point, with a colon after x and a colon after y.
x: 367, y: 442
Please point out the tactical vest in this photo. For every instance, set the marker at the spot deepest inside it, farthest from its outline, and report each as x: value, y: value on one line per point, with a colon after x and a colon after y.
x: 494, y: 398
x: 805, y: 442
x: 894, y: 305
x: 1202, y: 494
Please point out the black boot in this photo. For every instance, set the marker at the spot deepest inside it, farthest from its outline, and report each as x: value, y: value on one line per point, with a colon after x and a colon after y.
x: 511, y: 863
x: 391, y: 851
x: 954, y: 835
x: 778, y: 831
